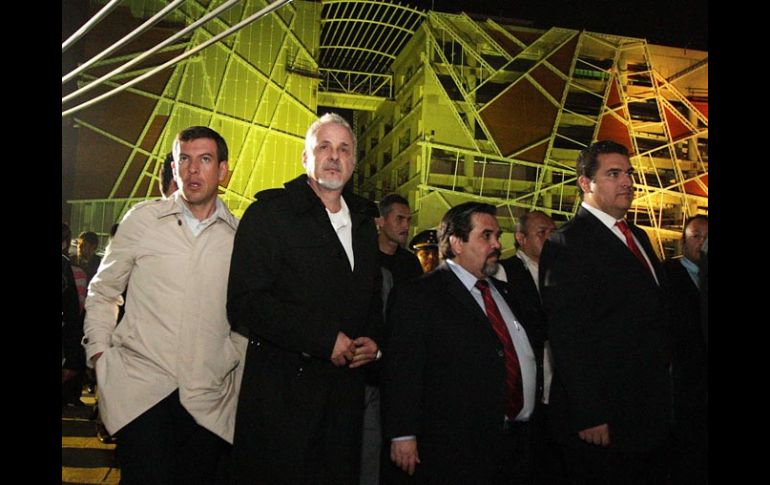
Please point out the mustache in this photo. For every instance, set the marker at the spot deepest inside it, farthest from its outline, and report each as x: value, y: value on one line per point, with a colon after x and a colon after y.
x: 335, y: 164
x: 495, y: 252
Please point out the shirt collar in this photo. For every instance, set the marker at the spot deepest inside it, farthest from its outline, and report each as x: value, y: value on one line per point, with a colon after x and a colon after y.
x: 689, y: 265
x: 606, y: 219
x: 466, y: 278
x: 526, y: 259
x: 340, y: 218
x: 177, y: 206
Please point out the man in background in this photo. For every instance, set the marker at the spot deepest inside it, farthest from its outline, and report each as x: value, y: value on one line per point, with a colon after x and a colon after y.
x: 689, y: 357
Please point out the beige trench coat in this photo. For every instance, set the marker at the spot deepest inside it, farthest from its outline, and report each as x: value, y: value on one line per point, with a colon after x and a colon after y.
x: 175, y: 332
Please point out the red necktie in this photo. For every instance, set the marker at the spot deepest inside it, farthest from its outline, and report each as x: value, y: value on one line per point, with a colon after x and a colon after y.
x: 631, y: 243
x: 514, y: 398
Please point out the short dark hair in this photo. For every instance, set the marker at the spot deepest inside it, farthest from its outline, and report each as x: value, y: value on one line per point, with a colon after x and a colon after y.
x: 522, y: 224
x: 457, y: 222
x: 386, y: 203
x: 690, y: 220
x: 587, y: 162
x: 166, y: 173
x: 90, y: 237
x: 195, y: 132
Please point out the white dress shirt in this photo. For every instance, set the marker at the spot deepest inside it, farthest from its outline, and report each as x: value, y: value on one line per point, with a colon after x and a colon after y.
x: 519, y: 336
x: 343, y: 226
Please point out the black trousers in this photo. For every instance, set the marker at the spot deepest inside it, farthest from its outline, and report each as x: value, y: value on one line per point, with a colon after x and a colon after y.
x: 589, y: 464
x: 165, y: 446
x: 512, y: 463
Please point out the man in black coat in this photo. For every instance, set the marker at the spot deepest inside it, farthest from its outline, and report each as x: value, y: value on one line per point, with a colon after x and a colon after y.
x: 398, y: 266
x: 607, y: 324
x: 463, y: 370
x: 689, y: 358
x: 305, y: 286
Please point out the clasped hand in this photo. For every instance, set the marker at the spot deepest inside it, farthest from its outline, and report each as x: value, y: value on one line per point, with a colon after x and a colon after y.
x: 353, y: 353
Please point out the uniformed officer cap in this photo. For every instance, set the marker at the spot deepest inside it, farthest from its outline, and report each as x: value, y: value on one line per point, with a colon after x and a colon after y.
x: 426, y: 239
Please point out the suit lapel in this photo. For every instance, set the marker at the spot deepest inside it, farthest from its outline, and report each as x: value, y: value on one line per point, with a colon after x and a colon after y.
x: 641, y: 236
x: 304, y: 200
x: 508, y: 296
x: 605, y: 236
x: 460, y: 293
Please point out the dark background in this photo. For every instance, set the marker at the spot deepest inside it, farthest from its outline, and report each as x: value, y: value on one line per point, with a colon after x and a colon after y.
x: 675, y: 23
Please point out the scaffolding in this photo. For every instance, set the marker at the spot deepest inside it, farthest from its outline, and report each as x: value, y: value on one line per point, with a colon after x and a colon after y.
x: 446, y: 107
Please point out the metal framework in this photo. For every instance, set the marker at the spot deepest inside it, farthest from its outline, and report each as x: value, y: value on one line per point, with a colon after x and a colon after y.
x: 360, y: 39
x: 244, y: 86
x: 447, y: 108
x: 497, y: 113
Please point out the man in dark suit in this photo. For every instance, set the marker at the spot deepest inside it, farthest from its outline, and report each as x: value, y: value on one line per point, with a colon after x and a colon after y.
x: 607, y: 325
x: 305, y: 285
x: 689, y: 357
x: 532, y: 230
x: 463, y: 373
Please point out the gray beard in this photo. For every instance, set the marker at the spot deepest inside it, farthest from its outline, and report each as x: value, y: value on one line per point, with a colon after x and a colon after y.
x: 490, y: 269
x: 331, y: 184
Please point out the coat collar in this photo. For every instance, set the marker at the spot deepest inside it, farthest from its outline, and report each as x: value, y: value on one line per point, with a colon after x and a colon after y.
x: 457, y: 289
x: 603, y: 232
x: 303, y: 199
x: 170, y: 206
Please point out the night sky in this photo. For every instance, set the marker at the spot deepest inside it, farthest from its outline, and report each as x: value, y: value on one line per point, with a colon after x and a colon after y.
x: 675, y: 23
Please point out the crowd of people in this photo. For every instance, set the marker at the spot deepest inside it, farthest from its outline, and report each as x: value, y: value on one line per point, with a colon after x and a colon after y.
x: 304, y: 344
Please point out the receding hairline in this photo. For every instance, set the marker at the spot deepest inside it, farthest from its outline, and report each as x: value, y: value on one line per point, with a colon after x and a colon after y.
x: 311, y: 134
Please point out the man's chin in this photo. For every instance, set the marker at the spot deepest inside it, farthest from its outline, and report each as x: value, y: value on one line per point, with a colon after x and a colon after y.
x: 334, y: 184
x: 490, y: 269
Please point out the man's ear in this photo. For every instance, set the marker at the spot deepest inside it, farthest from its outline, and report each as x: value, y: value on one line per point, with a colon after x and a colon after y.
x: 379, y: 222
x: 456, y: 244
x: 520, y: 238
x: 585, y: 184
x: 222, y: 175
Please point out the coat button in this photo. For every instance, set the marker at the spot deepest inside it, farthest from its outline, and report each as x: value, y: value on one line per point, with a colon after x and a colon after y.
x: 500, y: 353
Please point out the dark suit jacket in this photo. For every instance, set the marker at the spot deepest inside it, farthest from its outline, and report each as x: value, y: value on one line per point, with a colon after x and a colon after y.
x: 444, y: 377
x: 690, y: 361
x: 523, y: 285
x: 292, y: 289
x: 608, y: 329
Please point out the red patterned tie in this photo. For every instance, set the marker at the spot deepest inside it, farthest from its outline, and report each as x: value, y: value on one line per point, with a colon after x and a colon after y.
x: 631, y: 243
x: 514, y: 395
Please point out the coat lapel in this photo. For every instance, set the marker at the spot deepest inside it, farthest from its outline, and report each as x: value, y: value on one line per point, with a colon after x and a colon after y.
x: 641, y: 236
x: 605, y: 236
x: 304, y: 200
x: 460, y: 293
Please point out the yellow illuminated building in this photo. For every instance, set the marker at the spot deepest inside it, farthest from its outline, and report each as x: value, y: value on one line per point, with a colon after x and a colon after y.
x: 447, y: 108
